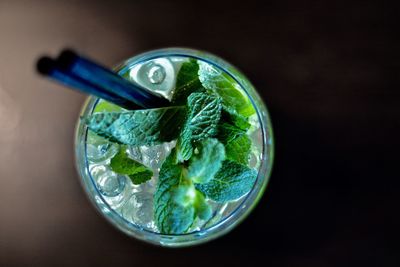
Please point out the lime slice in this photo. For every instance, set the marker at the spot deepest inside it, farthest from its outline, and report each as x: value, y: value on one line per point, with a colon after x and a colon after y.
x: 105, y: 106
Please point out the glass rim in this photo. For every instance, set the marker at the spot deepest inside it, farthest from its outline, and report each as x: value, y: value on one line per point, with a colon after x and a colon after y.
x: 263, y: 173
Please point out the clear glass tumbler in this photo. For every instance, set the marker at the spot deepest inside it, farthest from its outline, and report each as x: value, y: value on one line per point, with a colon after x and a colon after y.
x: 110, y: 193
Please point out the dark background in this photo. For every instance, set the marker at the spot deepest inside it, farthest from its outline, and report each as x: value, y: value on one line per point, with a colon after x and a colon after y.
x: 328, y: 71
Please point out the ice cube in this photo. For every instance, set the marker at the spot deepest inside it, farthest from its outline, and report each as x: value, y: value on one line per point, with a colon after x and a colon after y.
x: 154, y: 156
x: 135, y: 153
x: 108, y: 182
x: 157, y: 75
x: 98, y: 149
x: 139, y: 210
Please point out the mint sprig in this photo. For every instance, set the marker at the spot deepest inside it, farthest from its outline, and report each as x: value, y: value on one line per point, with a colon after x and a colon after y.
x: 201, y: 123
x: 138, y: 127
x: 176, y: 201
x: 121, y: 163
x: 231, y: 182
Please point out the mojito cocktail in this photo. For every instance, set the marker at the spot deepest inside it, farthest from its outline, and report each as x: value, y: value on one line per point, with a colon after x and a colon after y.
x: 184, y: 173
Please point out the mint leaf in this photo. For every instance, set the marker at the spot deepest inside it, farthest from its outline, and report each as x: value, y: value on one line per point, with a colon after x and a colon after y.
x: 177, y: 202
x: 231, y: 182
x: 171, y: 214
x: 184, y: 145
x: 232, y: 117
x: 184, y: 194
x: 187, y: 195
x: 232, y: 130
x: 226, y: 88
x: 203, y: 209
x: 204, y: 114
x: 228, y: 132
x: 136, y: 171
x: 204, y: 165
x: 187, y: 82
x: 239, y: 149
x: 231, y: 126
x: 141, y: 177
x: 138, y: 127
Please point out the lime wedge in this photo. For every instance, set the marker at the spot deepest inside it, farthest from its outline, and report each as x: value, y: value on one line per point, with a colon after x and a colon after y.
x: 105, y: 106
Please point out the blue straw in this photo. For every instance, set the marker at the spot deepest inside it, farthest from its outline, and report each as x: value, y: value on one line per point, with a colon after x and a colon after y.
x: 109, y: 81
x: 83, y: 74
x: 48, y: 67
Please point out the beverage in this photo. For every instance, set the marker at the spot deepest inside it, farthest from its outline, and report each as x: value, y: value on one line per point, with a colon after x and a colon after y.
x: 216, y: 137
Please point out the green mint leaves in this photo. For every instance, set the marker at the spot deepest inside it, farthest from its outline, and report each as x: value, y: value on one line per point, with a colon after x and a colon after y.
x: 238, y: 149
x: 225, y: 87
x: 187, y: 82
x: 170, y: 216
x: 202, y: 121
x: 205, y: 111
x: 136, y: 171
x: 231, y: 126
x: 230, y: 183
x: 209, y: 119
x: 232, y: 133
x: 177, y: 203
x: 206, y: 163
x: 138, y: 127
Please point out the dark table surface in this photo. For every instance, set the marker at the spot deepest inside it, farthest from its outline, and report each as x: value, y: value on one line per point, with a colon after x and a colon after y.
x: 328, y: 71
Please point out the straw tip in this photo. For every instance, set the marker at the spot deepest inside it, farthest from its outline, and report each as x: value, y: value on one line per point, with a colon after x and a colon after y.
x: 45, y: 65
x: 67, y: 57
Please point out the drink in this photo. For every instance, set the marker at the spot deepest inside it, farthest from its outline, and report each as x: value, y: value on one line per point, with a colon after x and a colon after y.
x: 240, y: 140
